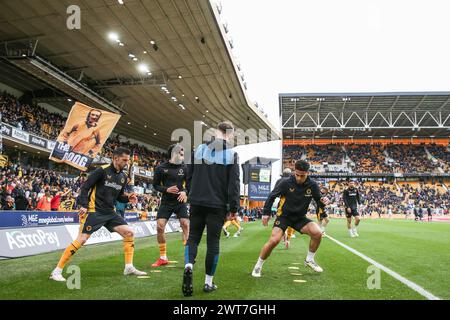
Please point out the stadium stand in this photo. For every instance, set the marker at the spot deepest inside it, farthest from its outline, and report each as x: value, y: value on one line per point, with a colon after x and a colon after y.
x: 28, y: 188
x: 368, y: 158
x: 410, y: 158
x: 373, y: 158
x: 378, y: 197
x: 37, y: 120
x: 30, y: 118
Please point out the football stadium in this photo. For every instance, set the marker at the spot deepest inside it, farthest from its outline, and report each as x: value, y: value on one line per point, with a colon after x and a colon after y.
x: 135, y: 166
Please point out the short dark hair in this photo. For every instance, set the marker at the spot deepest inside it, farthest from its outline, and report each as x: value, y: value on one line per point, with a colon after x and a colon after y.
x: 301, y: 165
x: 225, y: 126
x: 173, y: 146
x: 119, y: 151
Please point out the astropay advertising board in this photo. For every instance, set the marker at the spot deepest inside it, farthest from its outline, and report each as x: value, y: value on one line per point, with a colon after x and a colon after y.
x: 22, y: 242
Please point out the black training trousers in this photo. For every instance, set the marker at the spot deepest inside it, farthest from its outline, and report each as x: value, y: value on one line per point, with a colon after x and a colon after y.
x: 213, y: 219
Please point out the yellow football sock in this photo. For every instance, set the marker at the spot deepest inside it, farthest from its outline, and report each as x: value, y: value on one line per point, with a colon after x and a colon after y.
x: 162, y: 250
x: 128, y: 249
x: 290, y: 232
x: 68, y: 253
x: 184, y: 242
x: 227, y: 224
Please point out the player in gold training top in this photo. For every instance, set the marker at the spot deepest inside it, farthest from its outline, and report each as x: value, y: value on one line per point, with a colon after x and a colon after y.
x: 296, y: 193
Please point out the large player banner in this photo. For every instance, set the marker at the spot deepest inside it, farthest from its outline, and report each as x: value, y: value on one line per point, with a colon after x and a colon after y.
x: 83, y: 136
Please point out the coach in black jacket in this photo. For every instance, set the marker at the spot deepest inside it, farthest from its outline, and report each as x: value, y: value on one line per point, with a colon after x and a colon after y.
x: 213, y: 186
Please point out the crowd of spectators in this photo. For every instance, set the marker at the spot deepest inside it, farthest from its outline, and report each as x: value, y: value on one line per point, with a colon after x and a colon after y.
x: 144, y: 157
x: 384, y: 198
x: 365, y: 158
x: 368, y: 158
x: 39, y: 121
x: 30, y: 118
x: 330, y: 153
x: 410, y: 159
x: 442, y: 155
x: 26, y: 188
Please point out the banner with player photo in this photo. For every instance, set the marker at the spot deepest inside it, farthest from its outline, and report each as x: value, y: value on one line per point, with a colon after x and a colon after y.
x: 83, y: 136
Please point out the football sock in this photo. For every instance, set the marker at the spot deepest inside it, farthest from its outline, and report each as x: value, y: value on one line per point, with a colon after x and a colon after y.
x: 259, y: 263
x: 128, y: 249
x: 208, y: 280
x: 163, y: 251
x: 68, y: 253
x: 310, y: 256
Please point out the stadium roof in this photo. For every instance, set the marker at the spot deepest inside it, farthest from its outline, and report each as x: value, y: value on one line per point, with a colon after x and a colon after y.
x: 182, y: 44
x: 381, y: 114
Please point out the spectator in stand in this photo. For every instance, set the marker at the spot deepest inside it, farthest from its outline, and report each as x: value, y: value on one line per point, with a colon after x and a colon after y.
x: 21, y: 200
x: 56, y: 200
x: 9, y: 204
x: 67, y: 201
x: 44, y: 203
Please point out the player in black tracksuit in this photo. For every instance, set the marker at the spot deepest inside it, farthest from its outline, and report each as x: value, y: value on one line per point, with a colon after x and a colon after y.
x: 170, y: 180
x: 296, y: 194
x: 97, y: 199
x: 352, y: 200
x: 213, y: 185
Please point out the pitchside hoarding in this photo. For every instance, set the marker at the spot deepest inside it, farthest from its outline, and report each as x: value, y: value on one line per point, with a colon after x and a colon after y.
x: 30, y: 241
x: 14, y: 219
x: 22, y: 242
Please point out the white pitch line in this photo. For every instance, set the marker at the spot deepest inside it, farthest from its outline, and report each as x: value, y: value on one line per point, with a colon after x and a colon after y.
x: 392, y: 273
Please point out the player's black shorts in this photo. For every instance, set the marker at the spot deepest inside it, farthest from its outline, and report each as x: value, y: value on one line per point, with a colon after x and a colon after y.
x: 95, y: 221
x: 322, y: 216
x: 296, y: 223
x: 354, y: 212
x: 166, y: 210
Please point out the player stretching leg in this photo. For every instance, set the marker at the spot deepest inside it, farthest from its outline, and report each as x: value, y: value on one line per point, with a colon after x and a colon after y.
x: 170, y: 180
x: 351, y: 200
x: 295, y: 194
x: 234, y: 221
x: 98, y: 196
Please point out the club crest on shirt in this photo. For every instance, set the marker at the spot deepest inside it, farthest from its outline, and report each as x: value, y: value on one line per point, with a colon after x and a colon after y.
x: 166, y: 170
x: 122, y: 180
x: 180, y: 172
x: 108, y: 176
x: 308, y: 191
x: 291, y: 189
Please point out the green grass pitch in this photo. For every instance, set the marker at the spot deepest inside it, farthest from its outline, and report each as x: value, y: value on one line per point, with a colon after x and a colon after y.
x: 419, y: 251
